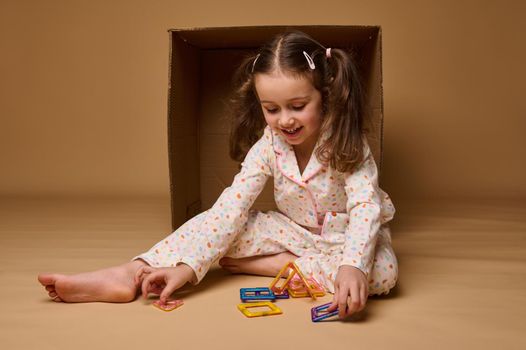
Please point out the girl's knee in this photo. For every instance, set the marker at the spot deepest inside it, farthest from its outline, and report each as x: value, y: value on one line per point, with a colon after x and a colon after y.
x: 383, y: 278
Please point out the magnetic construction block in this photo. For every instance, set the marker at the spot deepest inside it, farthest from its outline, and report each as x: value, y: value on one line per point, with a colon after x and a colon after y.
x: 319, y: 312
x: 297, y: 288
x: 284, y: 295
x: 274, y: 285
x: 256, y: 294
x: 274, y: 310
x: 294, y: 271
x: 170, y: 305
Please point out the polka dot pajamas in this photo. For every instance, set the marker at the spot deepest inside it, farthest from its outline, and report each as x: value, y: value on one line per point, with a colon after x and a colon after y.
x: 325, y: 217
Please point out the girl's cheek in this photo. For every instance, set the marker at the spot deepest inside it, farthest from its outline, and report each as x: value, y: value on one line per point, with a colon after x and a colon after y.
x: 273, y: 122
x: 269, y: 120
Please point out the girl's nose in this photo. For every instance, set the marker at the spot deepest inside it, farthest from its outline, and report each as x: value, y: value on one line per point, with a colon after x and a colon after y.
x: 286, y: 121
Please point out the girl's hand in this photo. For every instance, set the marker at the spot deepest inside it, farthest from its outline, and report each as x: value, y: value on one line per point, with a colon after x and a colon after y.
x: 350, y: 291
x: 163, y: 281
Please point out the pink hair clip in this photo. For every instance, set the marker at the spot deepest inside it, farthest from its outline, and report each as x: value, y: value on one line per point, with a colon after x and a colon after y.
x: 328, y: 52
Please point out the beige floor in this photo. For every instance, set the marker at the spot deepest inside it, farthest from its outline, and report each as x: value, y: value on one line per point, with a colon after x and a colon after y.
x: 462, y: 283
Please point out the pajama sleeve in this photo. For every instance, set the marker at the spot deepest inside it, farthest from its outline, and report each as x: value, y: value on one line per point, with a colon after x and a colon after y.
x: 364, y: 208
x: 229, y: 214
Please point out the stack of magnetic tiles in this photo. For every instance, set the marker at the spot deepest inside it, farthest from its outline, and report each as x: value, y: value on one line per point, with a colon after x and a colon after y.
x: 295, y: 285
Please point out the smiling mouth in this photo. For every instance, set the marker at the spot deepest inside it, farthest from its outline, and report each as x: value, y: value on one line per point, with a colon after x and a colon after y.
x: 292, y: 131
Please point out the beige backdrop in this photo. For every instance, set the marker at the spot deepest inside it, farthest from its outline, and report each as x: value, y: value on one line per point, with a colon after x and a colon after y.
x: 84, y: 83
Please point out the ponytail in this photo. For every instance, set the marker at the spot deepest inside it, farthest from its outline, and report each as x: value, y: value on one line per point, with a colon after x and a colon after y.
x: 247, y: 121
x: 343, y: 120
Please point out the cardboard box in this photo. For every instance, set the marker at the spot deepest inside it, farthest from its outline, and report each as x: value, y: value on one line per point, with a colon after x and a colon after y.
x: 202, y: 62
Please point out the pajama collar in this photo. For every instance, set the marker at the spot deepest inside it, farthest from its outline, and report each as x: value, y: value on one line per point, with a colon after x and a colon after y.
x: 287, y: 162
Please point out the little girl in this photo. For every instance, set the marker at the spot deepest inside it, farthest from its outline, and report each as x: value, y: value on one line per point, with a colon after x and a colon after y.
x: 297, y: 117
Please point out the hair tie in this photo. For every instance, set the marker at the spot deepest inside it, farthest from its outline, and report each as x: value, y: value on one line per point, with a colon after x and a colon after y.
x: 309, y: 60
x: 254, y: 63
x: 328, y: 52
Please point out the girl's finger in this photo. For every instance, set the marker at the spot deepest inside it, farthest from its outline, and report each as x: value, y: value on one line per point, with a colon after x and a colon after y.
x: 139, y: 275
x: 156, y: 288
x: 363, y: 297
x: 334, y: 303
x: 136, y: 276
x: 144, y: 287
x: 168, y: 290
x: 172, y: 284
x: 342, y: 302
x: 147, y: 282
x: 354, y: 303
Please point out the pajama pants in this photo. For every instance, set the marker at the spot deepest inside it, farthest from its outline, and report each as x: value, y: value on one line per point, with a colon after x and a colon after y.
x: 266, y: 233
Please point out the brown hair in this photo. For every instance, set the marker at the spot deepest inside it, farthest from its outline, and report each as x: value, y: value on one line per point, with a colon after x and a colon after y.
x: 336, y: 78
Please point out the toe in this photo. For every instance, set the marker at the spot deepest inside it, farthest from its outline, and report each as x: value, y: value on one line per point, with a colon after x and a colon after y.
x: 47, y: 279
x: 50, y: 288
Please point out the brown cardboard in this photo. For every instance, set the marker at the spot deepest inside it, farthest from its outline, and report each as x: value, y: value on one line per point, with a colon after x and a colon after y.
x: 202, y: 61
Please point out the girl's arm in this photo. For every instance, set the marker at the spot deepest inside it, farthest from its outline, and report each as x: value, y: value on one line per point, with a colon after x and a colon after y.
x: 364, y: 205
x: 229, y: 214
x: 364, y: 208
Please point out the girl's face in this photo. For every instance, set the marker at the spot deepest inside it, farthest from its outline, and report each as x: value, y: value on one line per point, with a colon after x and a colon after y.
x: 292, y: 107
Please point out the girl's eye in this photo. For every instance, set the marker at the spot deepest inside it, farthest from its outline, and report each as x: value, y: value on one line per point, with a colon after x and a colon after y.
x: 298, y: 108
x: 272, y: 111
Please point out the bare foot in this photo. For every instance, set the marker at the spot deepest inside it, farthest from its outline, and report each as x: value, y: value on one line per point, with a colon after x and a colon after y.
x: 115, y: 284
x: 264, y: 265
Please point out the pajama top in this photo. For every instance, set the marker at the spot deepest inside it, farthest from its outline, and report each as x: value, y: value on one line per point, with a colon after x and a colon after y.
x: 319, y: 197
